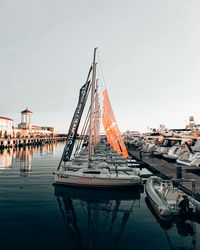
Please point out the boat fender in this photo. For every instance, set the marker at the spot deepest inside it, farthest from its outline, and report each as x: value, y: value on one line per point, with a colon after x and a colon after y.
x: 163, y: 188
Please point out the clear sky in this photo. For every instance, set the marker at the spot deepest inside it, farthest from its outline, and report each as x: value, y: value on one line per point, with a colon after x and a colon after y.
x: 149, y: 51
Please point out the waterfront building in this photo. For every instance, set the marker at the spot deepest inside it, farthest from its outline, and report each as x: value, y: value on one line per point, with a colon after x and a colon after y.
x: 25, y: 129
x: 25, y: 119
x: 6, y: 127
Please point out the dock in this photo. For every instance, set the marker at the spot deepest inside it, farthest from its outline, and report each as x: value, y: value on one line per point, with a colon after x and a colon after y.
x: 170, y: 170
x: 21, y: 142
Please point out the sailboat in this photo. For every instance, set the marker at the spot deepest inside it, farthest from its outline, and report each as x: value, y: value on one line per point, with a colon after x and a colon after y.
x: 90, y: 168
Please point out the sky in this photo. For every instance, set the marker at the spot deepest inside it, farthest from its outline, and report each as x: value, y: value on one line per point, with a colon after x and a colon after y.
x: 149, y: 51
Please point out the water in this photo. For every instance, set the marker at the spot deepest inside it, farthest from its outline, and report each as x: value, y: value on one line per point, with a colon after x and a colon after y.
x: 35, y: 215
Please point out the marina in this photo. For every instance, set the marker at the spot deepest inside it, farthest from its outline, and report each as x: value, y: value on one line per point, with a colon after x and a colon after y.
x: 99, y: 187
x: 99, y: 125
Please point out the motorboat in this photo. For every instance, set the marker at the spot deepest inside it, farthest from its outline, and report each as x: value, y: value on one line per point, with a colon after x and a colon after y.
x: 177, y: 150
x: 164, y: 146
x: 189, y: 159
x: 174, y: 153
x: 148, y: 148
x: 192, y: 156
x: 168, y: 200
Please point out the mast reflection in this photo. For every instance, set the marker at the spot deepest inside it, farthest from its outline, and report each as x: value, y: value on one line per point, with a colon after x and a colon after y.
x: 25, y: 156
x: 96, y: 219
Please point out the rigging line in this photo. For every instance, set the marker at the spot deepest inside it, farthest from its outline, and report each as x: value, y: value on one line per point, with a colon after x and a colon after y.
x: 85, y: 125
x: 84, y: 131
x: 82, y: 136
x: 101, y: 87
x: 101, y: 70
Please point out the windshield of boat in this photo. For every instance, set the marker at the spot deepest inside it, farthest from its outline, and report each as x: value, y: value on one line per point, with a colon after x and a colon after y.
x: 169, y: 143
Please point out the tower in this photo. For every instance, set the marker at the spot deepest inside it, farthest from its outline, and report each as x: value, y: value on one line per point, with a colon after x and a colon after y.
x: 26, y: 119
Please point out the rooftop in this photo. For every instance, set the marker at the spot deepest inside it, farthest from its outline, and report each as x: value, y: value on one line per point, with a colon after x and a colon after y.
x: 26, y: 111
x: 5, y: 118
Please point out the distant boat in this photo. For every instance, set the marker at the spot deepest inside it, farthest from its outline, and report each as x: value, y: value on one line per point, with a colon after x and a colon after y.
x: 192, y: 156
x: 89, y: 172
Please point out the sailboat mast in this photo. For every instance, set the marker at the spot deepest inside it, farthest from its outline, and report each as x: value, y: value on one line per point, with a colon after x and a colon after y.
x: 90, y: 146
x: 96, y: 116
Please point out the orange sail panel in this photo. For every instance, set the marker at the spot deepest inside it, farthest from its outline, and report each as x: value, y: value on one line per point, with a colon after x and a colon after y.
x: 110, y: 126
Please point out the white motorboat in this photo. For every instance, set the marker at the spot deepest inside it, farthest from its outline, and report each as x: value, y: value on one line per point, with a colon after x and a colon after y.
x: 175, y: 152
x: 164, y: 147
x: 189, y: 159
x: 148, y: 145
x: 192, y: 156
x: 167, y: 200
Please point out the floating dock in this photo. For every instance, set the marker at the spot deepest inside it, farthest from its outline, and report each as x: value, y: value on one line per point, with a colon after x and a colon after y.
x: 169, y: 170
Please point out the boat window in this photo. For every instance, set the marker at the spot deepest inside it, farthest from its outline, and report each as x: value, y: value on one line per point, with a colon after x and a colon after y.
x: 92, y: 172
x: 193, y: 142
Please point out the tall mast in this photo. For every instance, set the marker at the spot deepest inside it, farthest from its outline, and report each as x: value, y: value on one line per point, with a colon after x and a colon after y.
x: 90, y: 148
x: 96, y: 115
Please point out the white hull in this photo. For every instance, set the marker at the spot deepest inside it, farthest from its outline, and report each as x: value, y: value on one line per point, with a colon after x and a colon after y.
x: 104, y: 180
x: 164, y: 198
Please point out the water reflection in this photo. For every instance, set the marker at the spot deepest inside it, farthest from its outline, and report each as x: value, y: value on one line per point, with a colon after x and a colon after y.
x: 96, y: 219
x: 6, y: 159
x: 24, y: 155
x: 180, y: 232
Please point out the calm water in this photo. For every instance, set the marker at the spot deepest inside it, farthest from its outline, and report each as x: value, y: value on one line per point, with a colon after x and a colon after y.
x: 36, y: 215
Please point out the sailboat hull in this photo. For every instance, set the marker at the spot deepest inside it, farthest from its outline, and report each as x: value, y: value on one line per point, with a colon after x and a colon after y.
x: 97, y: 182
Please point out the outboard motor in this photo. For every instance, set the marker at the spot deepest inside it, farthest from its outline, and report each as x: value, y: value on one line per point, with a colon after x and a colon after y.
x: 183, y: 203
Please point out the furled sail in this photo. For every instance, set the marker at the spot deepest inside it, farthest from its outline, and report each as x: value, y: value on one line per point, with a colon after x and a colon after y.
x: 111, y: 129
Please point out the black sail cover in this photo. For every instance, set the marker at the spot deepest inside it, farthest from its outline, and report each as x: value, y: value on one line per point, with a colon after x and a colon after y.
x: 71, y: 137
